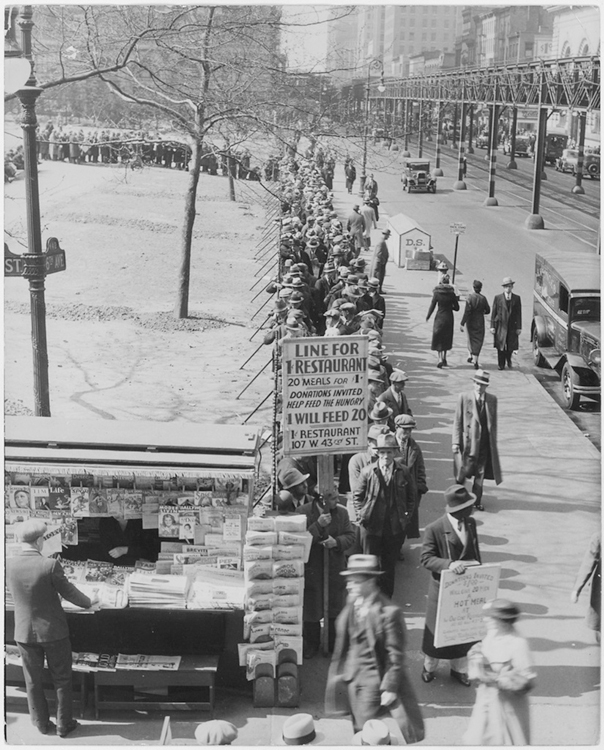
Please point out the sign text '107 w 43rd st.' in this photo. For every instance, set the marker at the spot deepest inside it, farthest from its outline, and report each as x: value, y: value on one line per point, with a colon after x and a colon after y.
x: 325, y: 395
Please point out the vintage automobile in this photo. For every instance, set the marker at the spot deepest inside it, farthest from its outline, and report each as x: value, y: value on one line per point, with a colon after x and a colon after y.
x: 523, y: 146
x: 482, y: 140
x: 565, y: 329
x: 570, y: 158
x: 554, y: 146
x: 416, y: 176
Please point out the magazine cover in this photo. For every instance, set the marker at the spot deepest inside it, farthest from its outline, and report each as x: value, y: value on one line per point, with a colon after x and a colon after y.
x: 98, y: 571
x: 150, y: 511
x: 69, y: 531
x: 13, y: 516
x: 98, y: 506
x: 202, y: 499
x: 115, y: 503
x: 186, y: 500
x: 80, y: 498
x: 75, y: 570
x: 227, y: 489
x: 133, y: 504
x: 168, y: 521
x: 187, y: 524
x: 58, y: 498
x: 40, y: 498
x: 19, y: 497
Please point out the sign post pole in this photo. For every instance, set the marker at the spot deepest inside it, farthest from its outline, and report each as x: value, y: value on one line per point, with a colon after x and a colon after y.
x: 456, y: 228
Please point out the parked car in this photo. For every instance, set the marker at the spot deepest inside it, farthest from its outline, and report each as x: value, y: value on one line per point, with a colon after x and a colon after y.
x: 565, y: 329
x: 570, y: 159
x: 482, y: 140
x: 416, y: 176
x: 554, y: 146
x: 523, y: 146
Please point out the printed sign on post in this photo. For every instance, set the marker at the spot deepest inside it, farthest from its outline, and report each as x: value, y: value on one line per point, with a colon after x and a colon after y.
x: 457, y: 227
x: 459, y: 616
x: 325, y: 395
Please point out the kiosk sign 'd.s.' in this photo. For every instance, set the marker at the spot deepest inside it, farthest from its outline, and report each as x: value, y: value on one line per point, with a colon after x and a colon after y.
x: 325, y: 395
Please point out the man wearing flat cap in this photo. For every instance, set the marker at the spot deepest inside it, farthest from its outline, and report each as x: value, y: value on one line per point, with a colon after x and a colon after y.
x: 506, y: 323
x: 369, y: 656
x: 37, y: 584
x: 395, y: 397
x: 379, y: 260
x: 475, y: 452
x: 384, y: 499
x: 450, y: 543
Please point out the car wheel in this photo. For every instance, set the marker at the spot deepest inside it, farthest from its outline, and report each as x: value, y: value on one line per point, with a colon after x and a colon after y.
x: 538, y: 358
x: 592, y: 169
x: 570, y: 380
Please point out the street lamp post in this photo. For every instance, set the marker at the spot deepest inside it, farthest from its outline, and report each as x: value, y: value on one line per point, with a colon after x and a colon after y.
x: 28, y: 91
x: 381, y: 88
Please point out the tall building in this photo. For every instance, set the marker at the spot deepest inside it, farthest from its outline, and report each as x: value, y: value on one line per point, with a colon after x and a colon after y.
x: 343, y: 45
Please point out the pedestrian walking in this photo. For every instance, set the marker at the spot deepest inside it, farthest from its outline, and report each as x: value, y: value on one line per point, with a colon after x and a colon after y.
x: 37, y: 584
x: 384, y: 500
x: 413, y: 458
x: 369, y: 656
x: 473, y: 318
x: 445, y: 301
x: 475, y: 452
x: 332, y: 534
x: 356, y: 227
x: 506, y: 323
x: 395, y: 396
x: 591, y: 572
x: 501, y: 664
x: 450, y: 543
x: 351, y: 175
x: 368, y: 214
x: 379, y: 260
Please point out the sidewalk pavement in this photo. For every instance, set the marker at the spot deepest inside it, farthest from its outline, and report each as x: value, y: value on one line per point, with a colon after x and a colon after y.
x: 537, y: 525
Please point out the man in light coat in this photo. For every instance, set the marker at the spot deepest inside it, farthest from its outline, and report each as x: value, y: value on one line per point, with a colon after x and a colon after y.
x: 368, y: 659
x: 475, y: 451
x: 506, y: 323
x: 368, y: 214
x: 37, y: 584
x: 356, y: 227
x: 379, y: 260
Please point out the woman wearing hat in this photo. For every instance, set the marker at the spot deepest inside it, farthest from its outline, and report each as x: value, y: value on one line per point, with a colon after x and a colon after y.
x: 445, y: 299
x: 502, y: 666
x: 473, y: 318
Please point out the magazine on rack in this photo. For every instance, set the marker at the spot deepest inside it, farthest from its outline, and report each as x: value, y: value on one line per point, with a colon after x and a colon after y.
x: 80, y: 500
x: 168, y: 521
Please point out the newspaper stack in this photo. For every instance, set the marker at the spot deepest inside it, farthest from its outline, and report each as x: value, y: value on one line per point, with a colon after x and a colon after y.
x: 275, y: 551
x: 158, y: 591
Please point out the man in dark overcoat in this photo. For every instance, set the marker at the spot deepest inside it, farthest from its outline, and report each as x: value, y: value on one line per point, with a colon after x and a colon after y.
x: 367, y: 674
x: 37, y: 584
x: 379, y: 260
x: 413, y: 458
x: 384, y: 499
x: 395, y: 397
x: 506, y: 323
x: 332, y: 534
x: 475, y: 452
x: 450, y: 543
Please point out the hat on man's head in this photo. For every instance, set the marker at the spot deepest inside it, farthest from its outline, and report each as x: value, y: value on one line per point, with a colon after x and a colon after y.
x: 296, y: 297
x: 481, y: 376
x: 297, y: 282
x: 332, y: 313
x: 279, y: 305
x: 31, y: 530
x: 329, y: 267
x: 337, y: 250
x: 343, y: 271
x: 359, y: 263
x: 457, y: 497
x: 501, y: 609
x: 507, y: 281
x: 373, y: 363
x: 362, y: 565
x: 376, y: 430
x: 398, y: 376
x: 356, y: 205
x: 215, y: 732
x: 386, y: 232
x: 348, y: 307
x: 352, y: 279
x: 404, y: 420
x: 375, y: 376
x: 299, y: 729
x: 292, y: 477
x: 442, y: 266
x: 374, y: 732
x: 373, y: 282
x: 387, y: 440
x: 380, y: 411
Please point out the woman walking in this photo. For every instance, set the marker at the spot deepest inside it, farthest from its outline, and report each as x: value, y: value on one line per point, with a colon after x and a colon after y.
x: 501, y: 664
x: 473, y: 318
x: 442, y: 334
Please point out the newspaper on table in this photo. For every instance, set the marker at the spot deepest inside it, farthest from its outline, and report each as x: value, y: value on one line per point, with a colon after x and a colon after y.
x: 158, y: 591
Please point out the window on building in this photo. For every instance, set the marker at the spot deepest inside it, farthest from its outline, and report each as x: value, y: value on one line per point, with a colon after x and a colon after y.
x: 433, y: 23
x: 446, y: 23
x: 424, y: 21
x: 424, y: 36
x: 412, y: 35
x: 412, y: 22
x: 433, y: 36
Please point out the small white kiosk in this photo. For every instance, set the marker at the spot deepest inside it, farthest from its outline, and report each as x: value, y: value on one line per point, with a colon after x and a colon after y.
x: 414, y: 243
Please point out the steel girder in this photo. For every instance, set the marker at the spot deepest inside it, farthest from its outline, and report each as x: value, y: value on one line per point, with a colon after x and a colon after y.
x: 572, y: 83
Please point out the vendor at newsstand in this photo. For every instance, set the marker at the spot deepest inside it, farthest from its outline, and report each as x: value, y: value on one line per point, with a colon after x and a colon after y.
x: 123, y: 541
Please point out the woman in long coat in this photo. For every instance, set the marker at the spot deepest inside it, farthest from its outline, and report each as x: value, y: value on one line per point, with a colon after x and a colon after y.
x: 445, y: 298
x: 330, y: 527
x: 591, y: 570
x: 501, y: 664
x: 473, y: 318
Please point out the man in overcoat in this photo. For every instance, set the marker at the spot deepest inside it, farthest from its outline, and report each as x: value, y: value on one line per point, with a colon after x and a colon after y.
x: 37, y: 584
x: 356, y: 227
x: 506, y: 323
x: 475, y: 452
x: 384, y: 500
x: 450, y: 543
x: 395, y: 397
x: 332, y: 534
x: 367, y: 674
x: 413, y: 458
x: 379, y: 260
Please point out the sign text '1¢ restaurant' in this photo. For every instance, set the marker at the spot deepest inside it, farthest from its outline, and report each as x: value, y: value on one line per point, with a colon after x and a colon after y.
x: 325, y: 395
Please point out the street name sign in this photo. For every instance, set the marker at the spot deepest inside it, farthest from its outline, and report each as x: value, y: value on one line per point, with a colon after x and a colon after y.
x: 457, y: 227
x: 54, y: 259
x: 459, y: 616
x: 324, y: 395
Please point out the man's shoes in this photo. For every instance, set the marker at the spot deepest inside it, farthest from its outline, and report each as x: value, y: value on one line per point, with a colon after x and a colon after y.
x: 50, y: 728
x: 500, y: 367
x: 428, y: 676
x: 461, y: 677
x: 476, y: 366
x: 479, y: 506
x: 470, y: 360
x: 439, y: 365
x: 64, y: 731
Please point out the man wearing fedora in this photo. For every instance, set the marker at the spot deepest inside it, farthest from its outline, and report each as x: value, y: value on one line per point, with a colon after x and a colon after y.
x: 413, y: 458
x: 368, y: 659
x: 294, y: 492
x: 368, y: 214
x: 475, y: 452
x: 356, y: 227
x: 450, y: 543
x: 395, y: 397
x: 379, y: 260
x: 37, y: 584
x: 384, y: 500
x: 506, y: 323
